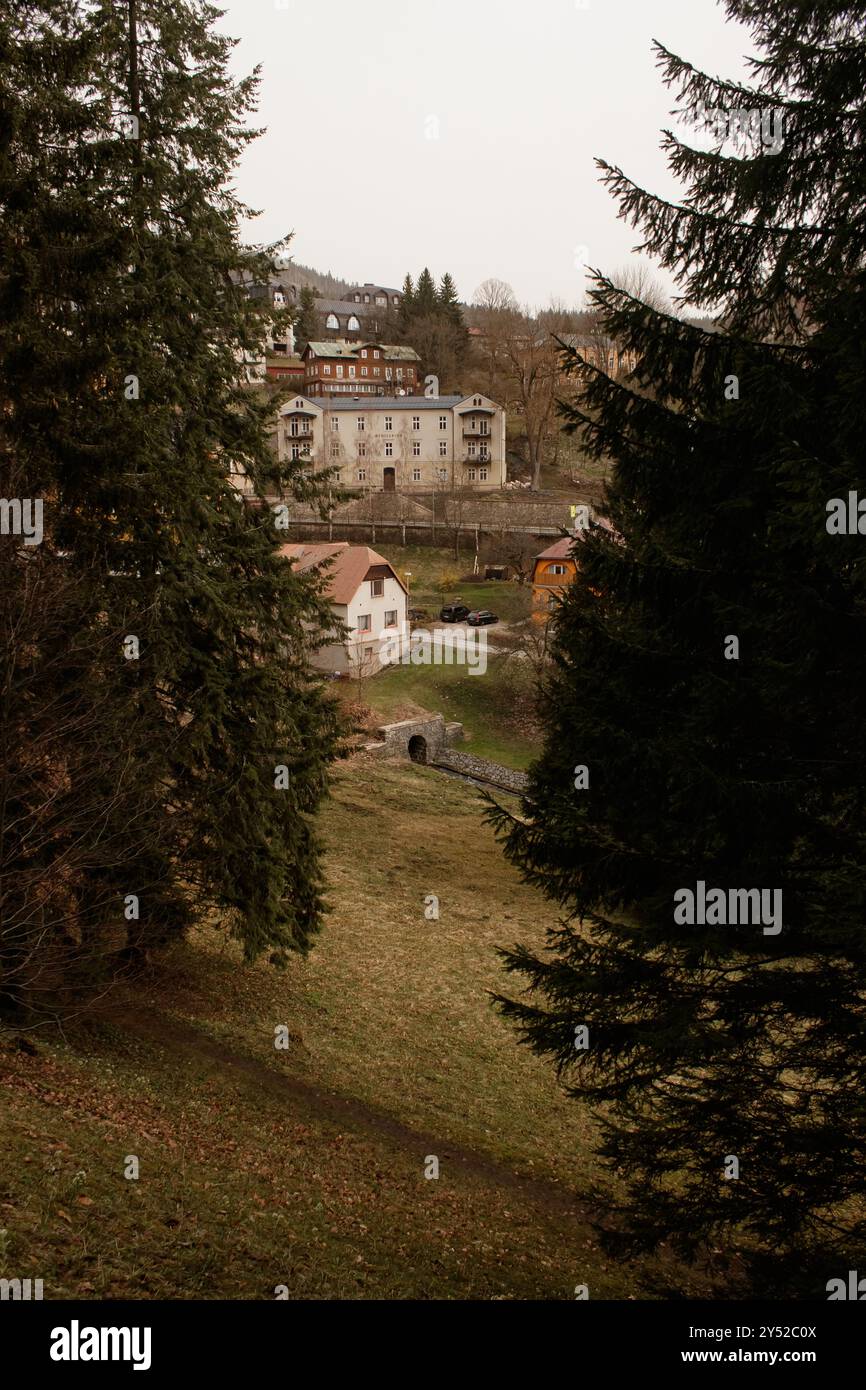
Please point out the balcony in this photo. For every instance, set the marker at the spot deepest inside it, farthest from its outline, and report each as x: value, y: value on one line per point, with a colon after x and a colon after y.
x: 476, y: 432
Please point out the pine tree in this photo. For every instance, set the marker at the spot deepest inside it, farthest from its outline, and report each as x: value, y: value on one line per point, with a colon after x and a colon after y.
x: 407, y: 303
x: 666, y: 761
x: 424, y: 299
x: 447, y: 301
x: 122, y: 266
x: 307, y: 319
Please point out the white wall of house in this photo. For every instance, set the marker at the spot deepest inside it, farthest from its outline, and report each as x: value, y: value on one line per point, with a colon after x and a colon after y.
x: 365, y: 646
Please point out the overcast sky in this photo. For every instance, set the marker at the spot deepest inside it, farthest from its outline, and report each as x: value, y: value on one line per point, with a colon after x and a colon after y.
x: 461, y: 134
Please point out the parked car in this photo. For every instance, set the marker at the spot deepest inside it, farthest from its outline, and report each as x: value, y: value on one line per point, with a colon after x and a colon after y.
x: 454, y: 613
x: 482, y: 617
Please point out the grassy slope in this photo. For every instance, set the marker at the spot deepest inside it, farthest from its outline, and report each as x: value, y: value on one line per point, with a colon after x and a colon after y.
x: 484, y: 704
x: 305, y: 1167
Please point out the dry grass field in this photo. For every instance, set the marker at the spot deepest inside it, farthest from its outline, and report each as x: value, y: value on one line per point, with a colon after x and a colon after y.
x: 305, y: 1167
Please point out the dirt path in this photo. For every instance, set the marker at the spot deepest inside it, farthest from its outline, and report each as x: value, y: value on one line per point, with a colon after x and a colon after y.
x: 350, y: 1113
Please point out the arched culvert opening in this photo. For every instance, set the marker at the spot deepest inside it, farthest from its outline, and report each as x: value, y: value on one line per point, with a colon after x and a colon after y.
x: 418, y: 749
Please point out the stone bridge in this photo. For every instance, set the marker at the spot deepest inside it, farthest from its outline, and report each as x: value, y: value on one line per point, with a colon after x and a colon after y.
x: 432, y: 741
x: 422, y: 740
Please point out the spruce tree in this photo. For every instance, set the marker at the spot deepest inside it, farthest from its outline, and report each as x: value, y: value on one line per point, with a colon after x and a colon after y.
x: 123, y: 380
x: 307, y: 319
x: 704, y: 712
x: 424, y: 299
x: 407, y: 303
x: 447, y: 301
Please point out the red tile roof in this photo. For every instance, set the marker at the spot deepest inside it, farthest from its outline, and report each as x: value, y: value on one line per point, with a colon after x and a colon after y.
x: 560, y: 550
x: 348, y: 569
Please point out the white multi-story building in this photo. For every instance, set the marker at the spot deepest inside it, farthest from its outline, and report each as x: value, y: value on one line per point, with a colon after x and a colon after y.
x: 367, y: 596
x: 398, y: 443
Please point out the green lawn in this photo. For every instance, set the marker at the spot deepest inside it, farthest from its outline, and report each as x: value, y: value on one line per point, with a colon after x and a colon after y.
x: 429, y: 566
x: 488, y: 706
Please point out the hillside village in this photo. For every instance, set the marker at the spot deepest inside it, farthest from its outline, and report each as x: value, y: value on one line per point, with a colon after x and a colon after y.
x: 432, y: 834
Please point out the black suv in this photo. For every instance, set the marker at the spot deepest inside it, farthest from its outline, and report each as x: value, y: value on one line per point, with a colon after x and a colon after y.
x: 454, y: 613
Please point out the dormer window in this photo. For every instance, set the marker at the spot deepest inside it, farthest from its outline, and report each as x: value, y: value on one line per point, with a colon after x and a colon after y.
x: 353, y: 324
x: 332, y: 321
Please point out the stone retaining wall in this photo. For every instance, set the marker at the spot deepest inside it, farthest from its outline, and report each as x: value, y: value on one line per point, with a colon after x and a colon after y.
x: 470, y: 766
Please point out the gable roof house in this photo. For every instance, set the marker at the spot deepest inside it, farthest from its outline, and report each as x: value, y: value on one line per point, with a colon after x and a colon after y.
x: 556, y: 567
x: 360, y: 368
x: 366, y: 595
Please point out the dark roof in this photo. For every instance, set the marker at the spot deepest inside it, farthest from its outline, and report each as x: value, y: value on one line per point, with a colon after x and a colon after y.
x: 369, y: 288
x: 344, y: 307
x: 415, y: 403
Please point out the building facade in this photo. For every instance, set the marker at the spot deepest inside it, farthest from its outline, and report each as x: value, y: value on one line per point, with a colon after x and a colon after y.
x: 367, y: 597
x: 553, y: 570
x: 344, y: 368
x: 398, y: 443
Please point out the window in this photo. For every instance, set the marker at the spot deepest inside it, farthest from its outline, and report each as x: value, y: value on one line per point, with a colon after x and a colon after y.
x: 296, y: 451
x: 362, y: 449
x: 416, y: 475
x: 556, y: 569
x: 365, y: 622
x: 353, y: 326
x: 339, y: 369
x: 416, y: 448
x: 363, y: 352
x: 443, y: 449
x: 362, y: 475
x: 335, y: 451
x: 361, y: 424
x: 332, y: 321
x: 482, y: 474
x: 351, y: 371
x: 377, y: 587
x: 389, y: 449
x: 443, y: 422
x: 366, y: 299
x: 335, y: 423
x: 327, y: 369
x: 416, y: 422
x: 472, y: 449
x: 363, y: 371
x: 470, y: 473
x: 388, y: 374
x: 391, y: 618
x: 389, y: 423
x: 399, y: 373
x: 381, y: 299
x: 376, y: 352
x: 376, y: 371
x: 442, y: 474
